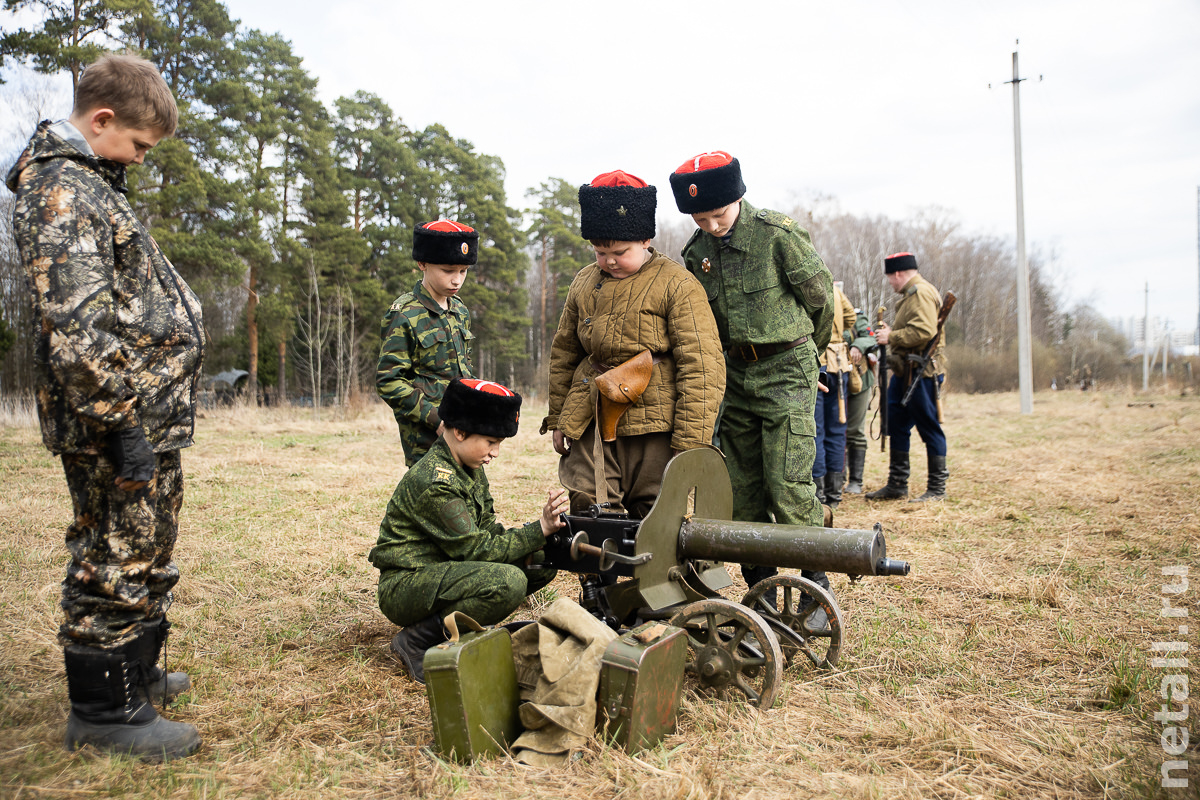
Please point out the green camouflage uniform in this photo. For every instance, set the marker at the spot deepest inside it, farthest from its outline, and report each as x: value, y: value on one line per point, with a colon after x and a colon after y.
x: 767, y: 285
x: 440, y: 548
x: 424, y: 347
x: 118, y: 343
x: 858, y: 400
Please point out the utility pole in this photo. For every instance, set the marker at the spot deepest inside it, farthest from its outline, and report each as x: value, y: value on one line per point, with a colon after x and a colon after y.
x: 1024, y: 325
x: 1146, y: 342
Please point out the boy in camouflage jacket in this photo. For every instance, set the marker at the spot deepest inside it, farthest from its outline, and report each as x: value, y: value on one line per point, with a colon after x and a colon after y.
x: 118, y: 343
x: 440, y: 547
x: 426, y: 335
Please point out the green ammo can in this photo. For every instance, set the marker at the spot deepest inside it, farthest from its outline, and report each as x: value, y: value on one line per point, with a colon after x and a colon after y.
x: 473, y: 697
x: 641, y: 680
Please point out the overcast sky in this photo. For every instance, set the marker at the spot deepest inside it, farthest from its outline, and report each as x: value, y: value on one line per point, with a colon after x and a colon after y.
x: 883, y: 105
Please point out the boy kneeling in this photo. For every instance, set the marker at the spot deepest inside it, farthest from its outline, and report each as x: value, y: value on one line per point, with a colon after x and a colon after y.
x: 440, y: 548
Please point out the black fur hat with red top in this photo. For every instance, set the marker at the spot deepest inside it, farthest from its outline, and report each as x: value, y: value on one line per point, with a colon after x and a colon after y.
x: 618, y: 207
x: 707, y: 182
x: 445, y: 242
x: 483, y: 407
x: 898, y: 262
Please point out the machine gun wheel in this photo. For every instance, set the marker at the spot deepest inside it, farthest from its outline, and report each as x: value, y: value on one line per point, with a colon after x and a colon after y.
x: 731, y: 648
x: 792, y: 601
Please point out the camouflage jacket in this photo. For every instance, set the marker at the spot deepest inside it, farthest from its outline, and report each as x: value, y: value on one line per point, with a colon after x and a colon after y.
x: 442, y: 512
x: 118, y: 338
x: 914, y: 326
x: 767, y: 284
x: 423, y: 348
x: 605, y: 322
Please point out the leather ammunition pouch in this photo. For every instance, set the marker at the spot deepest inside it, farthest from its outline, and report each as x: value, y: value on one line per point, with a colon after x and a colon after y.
x: 619, y: 388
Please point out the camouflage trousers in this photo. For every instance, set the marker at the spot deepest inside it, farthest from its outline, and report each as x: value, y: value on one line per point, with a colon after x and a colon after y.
x: 120, y: 543
x: 485, y: 591
x: 768, y: 435
x: 633, y: 470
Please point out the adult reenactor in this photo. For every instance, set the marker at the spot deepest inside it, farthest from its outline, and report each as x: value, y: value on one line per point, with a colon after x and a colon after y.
x: 772, y: 297
x: 426, y: 335
x: 118, y: 344
x: 914, y: 327
x: 862, y: 382
x: 830, y: 463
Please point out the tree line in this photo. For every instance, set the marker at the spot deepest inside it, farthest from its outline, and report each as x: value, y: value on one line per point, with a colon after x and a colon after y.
x: 293, y: 220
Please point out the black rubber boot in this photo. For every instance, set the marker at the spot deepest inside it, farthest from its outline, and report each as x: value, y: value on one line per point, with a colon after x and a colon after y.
x: 855, y: 461
x: 110, y: 707
x: 163, y: 686
x: 897, y: 484
x: 833, y: 488
x: 820, y: 484
x: 936, y: 485
x: 411, y: 643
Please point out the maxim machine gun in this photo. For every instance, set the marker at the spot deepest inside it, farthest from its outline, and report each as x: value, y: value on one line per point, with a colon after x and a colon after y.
x: 668, y: 566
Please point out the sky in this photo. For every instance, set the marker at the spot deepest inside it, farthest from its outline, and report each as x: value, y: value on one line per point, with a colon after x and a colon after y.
x: 884, y: 106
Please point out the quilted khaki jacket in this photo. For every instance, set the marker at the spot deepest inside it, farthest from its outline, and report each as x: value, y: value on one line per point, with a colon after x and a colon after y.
x: 661, y: 307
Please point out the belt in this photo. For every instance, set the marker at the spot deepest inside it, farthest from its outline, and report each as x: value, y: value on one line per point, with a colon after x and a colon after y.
x: 755, y: 352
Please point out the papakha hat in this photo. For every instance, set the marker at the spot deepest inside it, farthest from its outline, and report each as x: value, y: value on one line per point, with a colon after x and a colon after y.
x: 617, y: 206
x: 483, y: 407
x: 707, y: 182
x: 898, y: 262
x: 445, y: 242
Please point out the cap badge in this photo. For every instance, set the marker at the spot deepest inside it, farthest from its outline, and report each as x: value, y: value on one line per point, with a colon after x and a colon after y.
x: 692, y: 190
x: 621, y: 211
x: 465, y: 248
x: 706, y: 265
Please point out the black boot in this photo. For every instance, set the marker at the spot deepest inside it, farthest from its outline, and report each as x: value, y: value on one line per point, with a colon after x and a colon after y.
x: 411, y: 643
x: 163, y: 686
x: 897, y: 485
x: 110, y: 706
x: 820, y: 484
x: 936, y: 486
x: 855, y: 461
x: 833, y: 488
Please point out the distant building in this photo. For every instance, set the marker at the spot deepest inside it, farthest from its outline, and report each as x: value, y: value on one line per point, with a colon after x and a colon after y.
x: 1182, y: 342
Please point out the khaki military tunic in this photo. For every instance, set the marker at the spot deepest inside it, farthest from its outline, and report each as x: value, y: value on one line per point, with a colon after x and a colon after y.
x: 914, y: 327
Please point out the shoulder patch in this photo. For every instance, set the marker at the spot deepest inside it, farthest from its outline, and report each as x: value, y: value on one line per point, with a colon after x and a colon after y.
x: 777, y: 219
x: 456, y: 517
x: 443, y: 475
x: 813, y: 291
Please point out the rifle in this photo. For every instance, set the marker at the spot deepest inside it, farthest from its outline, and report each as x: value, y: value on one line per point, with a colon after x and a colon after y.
x: 917, y: 364
x: 882, y: 388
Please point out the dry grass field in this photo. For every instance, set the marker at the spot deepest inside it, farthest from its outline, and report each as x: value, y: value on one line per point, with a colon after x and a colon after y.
x: 1013, y: 662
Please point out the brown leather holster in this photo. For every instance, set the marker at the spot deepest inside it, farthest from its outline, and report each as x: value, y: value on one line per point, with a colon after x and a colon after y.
x: 619, y: 388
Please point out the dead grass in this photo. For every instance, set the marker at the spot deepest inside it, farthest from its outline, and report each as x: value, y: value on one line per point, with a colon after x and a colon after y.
x: 1013, y: 662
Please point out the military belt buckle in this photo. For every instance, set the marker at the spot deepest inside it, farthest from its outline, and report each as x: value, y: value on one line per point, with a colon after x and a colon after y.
x: 753, y: 353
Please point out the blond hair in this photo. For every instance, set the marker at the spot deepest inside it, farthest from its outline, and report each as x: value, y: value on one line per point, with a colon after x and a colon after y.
x: 133, y: 88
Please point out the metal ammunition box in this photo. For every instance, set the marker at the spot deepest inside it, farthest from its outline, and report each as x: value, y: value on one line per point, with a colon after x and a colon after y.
x: 641, y: 680
x: 473, y: 698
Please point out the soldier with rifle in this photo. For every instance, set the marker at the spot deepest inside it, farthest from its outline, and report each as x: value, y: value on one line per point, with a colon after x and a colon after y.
x: 914, y: 391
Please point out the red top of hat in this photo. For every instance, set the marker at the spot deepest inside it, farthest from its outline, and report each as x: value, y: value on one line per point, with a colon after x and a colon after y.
x: 491, y: 387
x: 619, y: 178
x: 896, y: 255
x: 448, y: 226
x: 717, y: 158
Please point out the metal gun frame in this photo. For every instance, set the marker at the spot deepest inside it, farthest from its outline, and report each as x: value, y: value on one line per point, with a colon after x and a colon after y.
x: 670, y: 566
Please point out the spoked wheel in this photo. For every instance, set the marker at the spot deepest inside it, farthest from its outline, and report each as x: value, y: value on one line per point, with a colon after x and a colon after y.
x: 731, y: 649
x: 795, y: 605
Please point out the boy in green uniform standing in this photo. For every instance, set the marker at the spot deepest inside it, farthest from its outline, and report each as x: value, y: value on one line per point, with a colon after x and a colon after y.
x: 440, y: 547
x: 118, y: 344
x: 772, y: 297
x: 426, y: 335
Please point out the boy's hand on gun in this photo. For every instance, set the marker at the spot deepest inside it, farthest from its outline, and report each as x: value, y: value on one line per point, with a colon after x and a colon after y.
x: 557, y: 504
